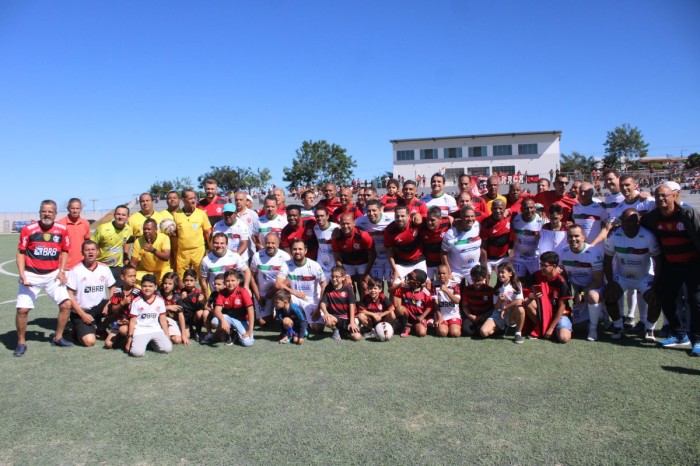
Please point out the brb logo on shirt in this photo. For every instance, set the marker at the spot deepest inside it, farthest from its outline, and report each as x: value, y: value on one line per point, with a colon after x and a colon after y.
x: 45, y: 252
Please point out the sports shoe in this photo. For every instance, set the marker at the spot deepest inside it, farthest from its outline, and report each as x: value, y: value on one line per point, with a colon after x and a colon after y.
x: 638, y: 328
x: 371, y: 334
x: 592, y: 334
x: 696, y: 350
x: 20, y: 350
x: 61, y: 342
x: 518, y: 338
x: 618, y: 333
x: 228, y: 341
x: 532, y: 337
x: 406, y: 332
x: 673, y: 340
x: 649, y: 335
x: 336, y: 335
x: 629, y: 322
x: 207, y: 340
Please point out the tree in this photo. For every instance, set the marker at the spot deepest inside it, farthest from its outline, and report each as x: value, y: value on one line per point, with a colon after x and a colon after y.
x: 577, y: 161
x: 233, y: 179
x: 161, y: 189
x: 318, y: 162
x: 623, y: 147
x: 693, y: 161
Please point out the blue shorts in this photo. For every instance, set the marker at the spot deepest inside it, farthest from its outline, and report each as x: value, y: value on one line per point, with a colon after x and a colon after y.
x: 564, y: 323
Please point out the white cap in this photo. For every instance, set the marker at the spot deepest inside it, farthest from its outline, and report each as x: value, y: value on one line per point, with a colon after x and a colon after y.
x: 249, y: 197
x: 672, y: 185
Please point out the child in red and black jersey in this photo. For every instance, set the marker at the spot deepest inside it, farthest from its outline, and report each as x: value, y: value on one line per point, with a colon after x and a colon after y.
x: 412, y: 304
x: 476, y: 300
x: 234, y: 313
x: 192, y: 302
x: 177, y: 330
x: 337, y: 307
x: 118, y: 319
x: 392, y: 197
x: 375, y: 307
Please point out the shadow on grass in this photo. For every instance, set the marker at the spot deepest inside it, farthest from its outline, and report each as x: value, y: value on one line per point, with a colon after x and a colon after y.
x: 681, y: 370
x: 44, y: 322
x: 9, y: 339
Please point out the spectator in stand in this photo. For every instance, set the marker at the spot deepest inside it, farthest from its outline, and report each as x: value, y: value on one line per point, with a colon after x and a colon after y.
x: 78, y: 231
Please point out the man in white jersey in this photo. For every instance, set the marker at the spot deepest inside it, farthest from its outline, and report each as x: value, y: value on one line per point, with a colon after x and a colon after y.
x: 90, y: 286
x: 632, y: 200
x: 374, y: 223
x: 461, y: 245
x: 553, y: 233
x: 525, y: 239
x: 629, y: 252
x: 437, y: 197
x: 219, y: 260
x: 266, y: 266
x: 271, y: 222
x: 584, y: 267
x: 305, y: 280
x: 248, y: 216
x: 235, y: 230
x: 308, y: 199
x: 591, y: 216
x: 323, y: 230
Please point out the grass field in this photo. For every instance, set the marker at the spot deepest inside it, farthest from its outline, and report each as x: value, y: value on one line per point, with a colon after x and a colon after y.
x: 408, y: 401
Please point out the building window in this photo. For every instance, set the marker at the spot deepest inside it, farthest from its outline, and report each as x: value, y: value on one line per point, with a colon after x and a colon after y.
x: 478, y: 151
x: 427, y: 154
x: 527, y: 149
x: 478, y: 171
x: 452, y: 152
x: 405, y: 154
x: 505, y: 149
x: 504, y: 170
x: 453, y: 174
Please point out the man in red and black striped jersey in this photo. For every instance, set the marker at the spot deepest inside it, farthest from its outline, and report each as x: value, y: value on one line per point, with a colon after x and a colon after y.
x: 346, y: 206
x: 431, y: 232
x: 404, y: 248
x: 677, y: 228
x: 409, y: 199
x: 353, y: 249
x: 495, y: 235
x: 329, y: 201
x: 42, y: 256
x: 297, y: 228
x: 212, y: 204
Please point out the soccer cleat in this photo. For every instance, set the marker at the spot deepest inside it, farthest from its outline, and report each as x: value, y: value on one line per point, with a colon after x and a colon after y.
x: 518, y: 338
x: 696, y: 350
x: 618, y: 333
x: 673, y: 340
x: 228, y: 341
x: 336, y: 335
x: 61, y: 342
x: 20, y: 350
x: 649, y: 336
x: 207, y: 340
x: 638, y: 329
x: 592, y: 334
x: 406, y: 332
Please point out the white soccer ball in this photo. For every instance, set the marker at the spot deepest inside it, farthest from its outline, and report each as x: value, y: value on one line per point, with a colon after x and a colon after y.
x: 384, y: 331
x: 168, y: 226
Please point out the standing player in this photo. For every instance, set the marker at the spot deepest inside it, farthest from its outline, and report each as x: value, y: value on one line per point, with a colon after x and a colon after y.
x: 374, y: 223
x: 308, y: 199
x: 78, y: 231
x: 271, y: 222
x: 409, y: 199
x: 236, y: 231
x: 525, y: 238
x: 438, y: 197
x: 631, y: 200
x: 461, y: 246
x: 324, y: 230
x: 431, y: 232
x: 492, y: 195
x: 591, y: 216
x: 297, y: 228
x: 466, y: 186
x: 329, y: 201
x: 42, y: 256
x: 553, y: 233
x: 193, y: 230
x: 248, y: 216
x: 212, y: 204
x: 137, y: 218
x: 558, y: 196
x: 346, y: 206
x: 265, y: 266
x: 114, y: 241
x: 353, y: 249
x: 404, y: 249
x: 495, y: 236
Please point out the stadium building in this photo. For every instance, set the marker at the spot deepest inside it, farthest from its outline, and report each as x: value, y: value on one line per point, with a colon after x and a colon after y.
x: 504, y: 154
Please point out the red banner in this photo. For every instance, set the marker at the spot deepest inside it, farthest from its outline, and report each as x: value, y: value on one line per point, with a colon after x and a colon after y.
x: 533, y: 178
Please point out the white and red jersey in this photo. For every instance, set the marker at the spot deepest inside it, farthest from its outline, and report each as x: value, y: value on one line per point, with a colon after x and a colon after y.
x: 580, y: 266
x: 376, y: 231
x: 525, y: 236
x: 552, y: 240
x: 147, y: 314
x: 509, y: 294
x: 266, y: 268
x: 306, y: 278
x: 235, y: 233
x: 590, y: 218
x: 325, y: 247
x: 42, y: 248
x: 90, y: 286
x: 463, y: 249
x: 632, y: 256
x: 269, y: 225
x: 212, y: 265
x: 448, y: 309
x: 446, y: 203
x: 641, y: 205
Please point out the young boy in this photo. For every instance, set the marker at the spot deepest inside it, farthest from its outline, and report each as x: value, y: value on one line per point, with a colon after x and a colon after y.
x: 218, y: 286
x: 412, y: 304
x: 446, y: 299
x: 234, y: 311
x: 337, y: 307
x: 375, y: 307
x: 548, y: 307
x: 477, y: 300
x: 117, y: 320
x: 292, y: 317
x: 147, y: 322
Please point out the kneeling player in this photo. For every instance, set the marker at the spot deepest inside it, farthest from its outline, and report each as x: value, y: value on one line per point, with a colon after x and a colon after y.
x: 234, y: 313
x: 292, y: 317
x: 177, y: 330
x: 477, y: 300
x: 147, y: 322
x: 117, y: 320
x: 412, y: 303
x: 375, y: 307
x: 446, y: 298
x: 508, y: 303
x: 337, y: 307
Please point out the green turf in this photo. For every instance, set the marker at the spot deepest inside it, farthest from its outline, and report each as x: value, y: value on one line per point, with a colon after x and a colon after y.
x: 406, y: 401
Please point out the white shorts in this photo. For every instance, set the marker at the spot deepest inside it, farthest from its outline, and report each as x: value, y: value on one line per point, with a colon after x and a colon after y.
x: 358, y: 269
x: 526, y: 266
x: 642, y: 285
x: 381, y: 270
x: 173, y: 328
x: 266, y: 309
x: 309, y: 307
x: 26, y: 295
x: 406, y: 269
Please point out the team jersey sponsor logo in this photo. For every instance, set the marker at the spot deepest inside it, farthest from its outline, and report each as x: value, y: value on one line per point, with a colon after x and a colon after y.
x: 46, y: 252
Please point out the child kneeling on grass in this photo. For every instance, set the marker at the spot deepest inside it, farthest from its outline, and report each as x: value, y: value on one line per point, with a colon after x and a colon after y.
x: 337, y: 307
x: 177, y: 329
x: 508, y: 303
x: 234, y: 313
x: 477, y: 300
x: 412, y: 305
x: 547, y: 308
x: 292, y: 317
x: 446, y: 298
x: 375, y: 307
x: 117, y: 321
x: 147, y: 322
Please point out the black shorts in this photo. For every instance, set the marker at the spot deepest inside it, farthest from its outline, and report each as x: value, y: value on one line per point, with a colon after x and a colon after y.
x: 300, y: 327
x: 117, y: 274
x: 82, y: 329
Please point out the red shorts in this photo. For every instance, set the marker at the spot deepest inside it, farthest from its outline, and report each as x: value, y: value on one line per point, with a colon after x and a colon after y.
x: 455, y: 321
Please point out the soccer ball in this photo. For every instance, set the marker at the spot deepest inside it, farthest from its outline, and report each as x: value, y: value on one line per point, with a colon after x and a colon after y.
x: 168, y: 226
x: 384, y: 331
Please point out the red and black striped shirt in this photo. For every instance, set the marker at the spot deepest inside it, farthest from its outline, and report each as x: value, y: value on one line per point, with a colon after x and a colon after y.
x: 338, y: 301
x: 676, y: 244
x: 405, y: 244
x: 354, y: 250
x: 432, y: 241
x: 496, y: 237
x: 42, y: 248
x: 479, y: 301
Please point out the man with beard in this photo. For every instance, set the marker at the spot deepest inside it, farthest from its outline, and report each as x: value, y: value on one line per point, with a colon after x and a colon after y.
x: 265, y: 267
x: 114, y: 241
x: 212, y: 204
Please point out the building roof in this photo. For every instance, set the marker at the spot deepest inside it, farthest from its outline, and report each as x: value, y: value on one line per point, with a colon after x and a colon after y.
x: 661, y: 159
x: 474, y: 136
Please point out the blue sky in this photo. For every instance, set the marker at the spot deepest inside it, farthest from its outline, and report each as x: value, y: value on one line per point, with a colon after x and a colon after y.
x: 100, y: 99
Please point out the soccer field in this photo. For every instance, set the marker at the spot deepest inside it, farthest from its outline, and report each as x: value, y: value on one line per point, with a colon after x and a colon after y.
x: 407, y: 401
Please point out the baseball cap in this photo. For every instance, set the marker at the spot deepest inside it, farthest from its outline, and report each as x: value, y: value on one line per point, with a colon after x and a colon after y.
x: 672, y: 185
x: 229, y: 208
x: 249, y: 197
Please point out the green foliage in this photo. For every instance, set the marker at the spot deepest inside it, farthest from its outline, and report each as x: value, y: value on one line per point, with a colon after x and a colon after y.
x: 623, y: 147
x: 318, y: 162
x: 693, y: 160
x: 162, y: 188
x: 577, y: 161
x: 230, y: 179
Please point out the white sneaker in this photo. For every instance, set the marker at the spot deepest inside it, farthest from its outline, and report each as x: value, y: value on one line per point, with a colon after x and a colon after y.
x: 649, y: 336
x: 592, y: 334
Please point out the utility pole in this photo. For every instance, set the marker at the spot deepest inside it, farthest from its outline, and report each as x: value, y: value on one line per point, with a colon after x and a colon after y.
x: 93, y: 204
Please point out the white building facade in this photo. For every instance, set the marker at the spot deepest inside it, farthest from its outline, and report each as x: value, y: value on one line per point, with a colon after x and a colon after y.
x: 504, y: 154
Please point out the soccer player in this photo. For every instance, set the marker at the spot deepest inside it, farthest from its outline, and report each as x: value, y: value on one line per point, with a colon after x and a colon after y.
x: 329, y: 201
x: 212, y: 204
x: 495, y: 235
x: 324, y: 231
x: 346, y: 206
x: 137, y: 218
x: 404, y: 249
x: 236, y: 231
x: 147, y: 323
x: 292, y: 318
x: 466, y: 186
x: 465, y: 199
x: 412, y: 305
x: 557, y: 196
x: 432, y: 232
x: 547, y: 308
x: 248, y: 216
x: 151, y: 254
x: 353, y: 249
x: 525, y: 238
x: 297, y: 228
x: 591, y: 216
x: 631, y: 200
x: 629, y: 251
x: 219, y: 260
x: 492, y: 195
x: 308, y: 199
x: 462, y: 246
x: 374, y: 223
x: 193, y: 230
x: 78, y: 231
x: 409, y: 199
x: 446, y: 299
x: 477, y: 300
x: 117, y: 320
x: 114, y: 241
x: 392, y: 198
x: 234, y: 313
x: 272, y: 221
x: 584, y: 268
x: 338, y: 306
x: 172, y: 200
x: 514, y: 199
x: 375, y: 307
x: 265, y: 267
x: 438, y: 197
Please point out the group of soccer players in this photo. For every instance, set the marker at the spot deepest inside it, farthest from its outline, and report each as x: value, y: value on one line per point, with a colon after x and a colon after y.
x: 560, y: 258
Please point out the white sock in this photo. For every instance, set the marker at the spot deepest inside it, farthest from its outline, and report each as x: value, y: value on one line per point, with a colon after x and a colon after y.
x: 593, y: 315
